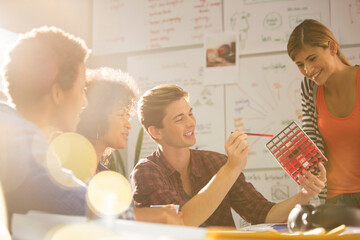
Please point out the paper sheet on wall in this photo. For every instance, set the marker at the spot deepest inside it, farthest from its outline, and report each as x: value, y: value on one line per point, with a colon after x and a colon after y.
x: 221, y: 58
x: 266, y: 100
x: 265, y: 25
x: 122, y: 26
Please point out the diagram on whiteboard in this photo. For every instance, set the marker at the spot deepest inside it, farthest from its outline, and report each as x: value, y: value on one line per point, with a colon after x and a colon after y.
x: 265, y: 26
x: 266, y: 99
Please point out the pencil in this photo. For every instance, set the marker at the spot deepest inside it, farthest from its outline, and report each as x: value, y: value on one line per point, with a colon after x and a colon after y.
x: 259, y: 134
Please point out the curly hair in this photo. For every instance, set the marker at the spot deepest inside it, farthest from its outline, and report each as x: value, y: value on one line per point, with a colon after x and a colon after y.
x: 107, y: 88
x: 38, y: 59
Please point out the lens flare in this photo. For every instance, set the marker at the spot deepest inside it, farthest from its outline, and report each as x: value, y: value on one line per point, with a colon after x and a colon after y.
x: 109, y: 194
x: 75, y: 153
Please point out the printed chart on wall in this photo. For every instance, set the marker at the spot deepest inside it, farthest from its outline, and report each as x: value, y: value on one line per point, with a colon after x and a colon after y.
x: 265, y: 25
x: 266, y: 100
x: 184, y: 68
x: 122, y: 26
x: 345, y: 20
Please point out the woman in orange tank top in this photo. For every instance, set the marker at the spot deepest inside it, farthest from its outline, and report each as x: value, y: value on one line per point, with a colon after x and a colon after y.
x: 331, y: 107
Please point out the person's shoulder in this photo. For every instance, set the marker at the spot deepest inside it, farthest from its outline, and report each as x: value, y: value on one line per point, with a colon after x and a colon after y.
x: 308, y: 88
x: 16, y: 124
x: 147, y: 167
x: 308, y: 82
x: 144, y: 162
x: 8, y: 110
x: 147, y: 162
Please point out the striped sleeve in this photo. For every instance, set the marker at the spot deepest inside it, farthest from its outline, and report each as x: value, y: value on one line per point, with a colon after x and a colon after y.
x: 309, y: 120
x: 309, y: 113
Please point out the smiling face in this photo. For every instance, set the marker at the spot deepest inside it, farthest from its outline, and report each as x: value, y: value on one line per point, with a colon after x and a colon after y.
x: 179, y: 126
x: 316, y: 63
x: 117, y: 133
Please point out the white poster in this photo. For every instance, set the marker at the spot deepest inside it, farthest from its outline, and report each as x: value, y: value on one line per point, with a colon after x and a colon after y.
x: 221, y: 58
x: 123, y: 26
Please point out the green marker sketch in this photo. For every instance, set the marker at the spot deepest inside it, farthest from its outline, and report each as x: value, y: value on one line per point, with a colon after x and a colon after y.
x: 272, y: 21
x: 239, y: 22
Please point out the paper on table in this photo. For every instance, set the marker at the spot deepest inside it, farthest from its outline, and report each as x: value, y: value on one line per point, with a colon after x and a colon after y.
x: 36, y: 225
x: 152, y: 231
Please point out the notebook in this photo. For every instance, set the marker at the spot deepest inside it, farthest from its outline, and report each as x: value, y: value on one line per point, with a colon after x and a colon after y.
x: 295, y: 151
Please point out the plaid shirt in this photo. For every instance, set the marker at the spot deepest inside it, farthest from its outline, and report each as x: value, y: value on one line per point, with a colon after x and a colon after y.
x: 155, y: 181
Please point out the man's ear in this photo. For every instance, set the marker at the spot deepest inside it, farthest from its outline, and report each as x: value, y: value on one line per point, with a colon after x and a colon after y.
x: 333, y: 48
x: 56, y: 93
x: 154, y: 132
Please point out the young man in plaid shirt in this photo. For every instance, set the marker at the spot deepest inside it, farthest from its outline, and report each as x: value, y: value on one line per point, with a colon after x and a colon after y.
x: 205, y: 184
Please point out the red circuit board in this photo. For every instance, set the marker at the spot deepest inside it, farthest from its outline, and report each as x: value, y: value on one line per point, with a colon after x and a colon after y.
x: 295, y: 151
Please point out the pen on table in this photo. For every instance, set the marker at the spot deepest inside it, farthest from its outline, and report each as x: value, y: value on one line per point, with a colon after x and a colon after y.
x: 279, y: 227
x: 259, y: 134
x: 174, y: 206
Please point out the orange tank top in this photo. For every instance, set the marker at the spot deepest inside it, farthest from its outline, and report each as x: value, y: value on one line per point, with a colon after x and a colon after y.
x: 342, y: 145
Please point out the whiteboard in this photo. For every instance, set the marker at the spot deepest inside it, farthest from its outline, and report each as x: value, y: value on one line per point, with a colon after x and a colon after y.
x: 184, y: 68
x: 122, y: 25
x: 345, y: 20
x: 266, y: 99
x: 266, y: 96
x: 274, y: 184
x: 279, y: 186
x: 265, y: 25
x: 353, y: 54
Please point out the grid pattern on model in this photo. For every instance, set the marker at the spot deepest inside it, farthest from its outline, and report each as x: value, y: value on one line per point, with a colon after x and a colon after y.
x: 295, y: 151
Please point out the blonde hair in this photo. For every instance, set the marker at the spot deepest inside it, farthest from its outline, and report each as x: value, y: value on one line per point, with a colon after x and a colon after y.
x: 313, y: 33
x: 152, y: 104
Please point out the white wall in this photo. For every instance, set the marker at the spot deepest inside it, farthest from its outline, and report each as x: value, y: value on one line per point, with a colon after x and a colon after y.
x: 73, y: 16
